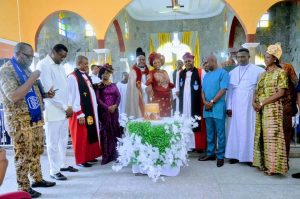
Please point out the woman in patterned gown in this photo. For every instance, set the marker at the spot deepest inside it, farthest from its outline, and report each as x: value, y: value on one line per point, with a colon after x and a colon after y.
x: 108, y: 98
x: 269, y: 142
x: 159, y: 80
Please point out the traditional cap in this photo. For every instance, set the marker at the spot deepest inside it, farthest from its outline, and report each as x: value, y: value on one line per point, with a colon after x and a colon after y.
x: 187, y: 55
x: 153, y: 56
x: 275, y: 50
x: 139, y: 51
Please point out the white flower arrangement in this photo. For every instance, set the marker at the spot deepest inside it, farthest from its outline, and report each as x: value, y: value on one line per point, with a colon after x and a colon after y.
x: 133, y: 150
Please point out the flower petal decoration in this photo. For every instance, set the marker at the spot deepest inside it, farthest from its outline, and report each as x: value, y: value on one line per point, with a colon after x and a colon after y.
x: 154, y: 146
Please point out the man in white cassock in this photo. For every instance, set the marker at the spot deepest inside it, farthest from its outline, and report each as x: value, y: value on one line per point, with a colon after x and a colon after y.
x: 94, y: 75
x: 122, y: 86
x: 243, y: 80
x: 136, y: 90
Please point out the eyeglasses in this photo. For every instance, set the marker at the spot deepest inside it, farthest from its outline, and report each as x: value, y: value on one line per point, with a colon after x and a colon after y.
x: 28, y: 56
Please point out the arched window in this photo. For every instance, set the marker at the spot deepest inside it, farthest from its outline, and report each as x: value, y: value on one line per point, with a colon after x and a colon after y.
x: 264, y: 21
x: 172, y: 53
x: 89, y: 32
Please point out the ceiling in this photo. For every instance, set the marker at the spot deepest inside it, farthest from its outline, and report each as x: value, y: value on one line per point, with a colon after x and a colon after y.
x: 155, y: 10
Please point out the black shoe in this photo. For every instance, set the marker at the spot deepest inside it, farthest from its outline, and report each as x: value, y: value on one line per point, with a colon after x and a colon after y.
x: 69, y: 168
x: 233, y: 161
x: 93, y: 161
x: 58, y: 176
x: 85, y: 165
x: 33, y: 193
x: 220, y: 162
x: 206, y: 158
x: 250, y: 164
x: 43, y: 183
x: 296, y: 175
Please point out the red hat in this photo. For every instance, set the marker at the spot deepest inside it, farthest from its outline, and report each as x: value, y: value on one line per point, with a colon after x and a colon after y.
x: 187, y: 55
x: 152, y: 57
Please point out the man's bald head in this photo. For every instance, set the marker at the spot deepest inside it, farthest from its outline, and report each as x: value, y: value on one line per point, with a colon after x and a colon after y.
x: 82, y: 63
x: 24, y: 54
x: 212, y: 62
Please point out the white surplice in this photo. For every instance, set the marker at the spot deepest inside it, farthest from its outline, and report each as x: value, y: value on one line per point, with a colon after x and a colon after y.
x: 122, y: 89
x: 74, y: 96
x: 95, y: 78
x: 187, y: 104
x: 240, y: 141
x: 132, y: 95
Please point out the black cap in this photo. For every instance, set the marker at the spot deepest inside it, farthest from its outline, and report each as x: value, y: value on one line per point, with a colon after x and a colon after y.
x: 139, y: 51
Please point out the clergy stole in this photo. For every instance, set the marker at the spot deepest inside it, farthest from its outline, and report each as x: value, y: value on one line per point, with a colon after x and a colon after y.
x: 87, y: 107
x: 196, y: 89
x: 139, y: 74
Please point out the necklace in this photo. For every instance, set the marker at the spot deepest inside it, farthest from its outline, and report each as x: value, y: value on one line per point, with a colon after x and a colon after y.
x: 241, y: 76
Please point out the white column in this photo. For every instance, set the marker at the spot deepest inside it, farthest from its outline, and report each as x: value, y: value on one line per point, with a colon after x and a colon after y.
x: 102, y: 55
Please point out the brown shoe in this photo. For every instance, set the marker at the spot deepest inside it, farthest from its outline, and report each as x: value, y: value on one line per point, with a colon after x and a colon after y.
x: 220, y: 162
x: 206, y: 158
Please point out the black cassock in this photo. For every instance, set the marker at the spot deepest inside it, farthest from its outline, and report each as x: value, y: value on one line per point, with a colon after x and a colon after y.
x: 196, y: 104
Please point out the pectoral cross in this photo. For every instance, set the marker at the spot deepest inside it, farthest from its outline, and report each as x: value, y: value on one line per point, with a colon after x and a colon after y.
x: 84, y: 94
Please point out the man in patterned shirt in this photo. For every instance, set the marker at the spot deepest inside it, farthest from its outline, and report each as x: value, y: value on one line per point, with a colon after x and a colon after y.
x: 22, y: 103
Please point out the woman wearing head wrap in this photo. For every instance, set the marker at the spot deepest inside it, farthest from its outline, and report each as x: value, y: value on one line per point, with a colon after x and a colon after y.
x: 108, y: 98
x: 269, y: 143
x: 161, y: 86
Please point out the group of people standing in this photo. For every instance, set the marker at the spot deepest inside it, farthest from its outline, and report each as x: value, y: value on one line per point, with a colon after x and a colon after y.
x: 260, y: 103
x: 70, y: 103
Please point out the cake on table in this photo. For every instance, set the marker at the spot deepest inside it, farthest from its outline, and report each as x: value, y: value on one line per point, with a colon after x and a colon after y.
x: 152, y: 111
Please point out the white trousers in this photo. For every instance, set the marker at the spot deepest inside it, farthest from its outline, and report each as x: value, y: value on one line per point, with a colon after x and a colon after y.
x: 56, y: 139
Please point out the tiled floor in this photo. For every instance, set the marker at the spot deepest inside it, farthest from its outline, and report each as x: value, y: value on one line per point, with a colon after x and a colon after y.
x: 198, y: 180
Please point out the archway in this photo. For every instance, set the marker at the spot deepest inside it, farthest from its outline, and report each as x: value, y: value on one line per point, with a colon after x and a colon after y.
x: 279, y: 24
x: 70, y: 29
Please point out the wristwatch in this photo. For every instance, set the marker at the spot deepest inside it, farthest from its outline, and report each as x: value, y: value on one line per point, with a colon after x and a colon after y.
x: 212, y: 101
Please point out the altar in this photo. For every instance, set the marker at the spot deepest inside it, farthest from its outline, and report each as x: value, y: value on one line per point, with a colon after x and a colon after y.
x: 155, y: 147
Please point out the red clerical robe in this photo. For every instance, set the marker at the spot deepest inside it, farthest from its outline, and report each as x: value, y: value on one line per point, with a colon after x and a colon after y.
x: 85, y: 138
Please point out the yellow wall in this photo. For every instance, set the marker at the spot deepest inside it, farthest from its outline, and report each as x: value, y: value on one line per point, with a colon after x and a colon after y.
x: 99, y: 13
x: 250, y: 11
x: 9, y: 20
